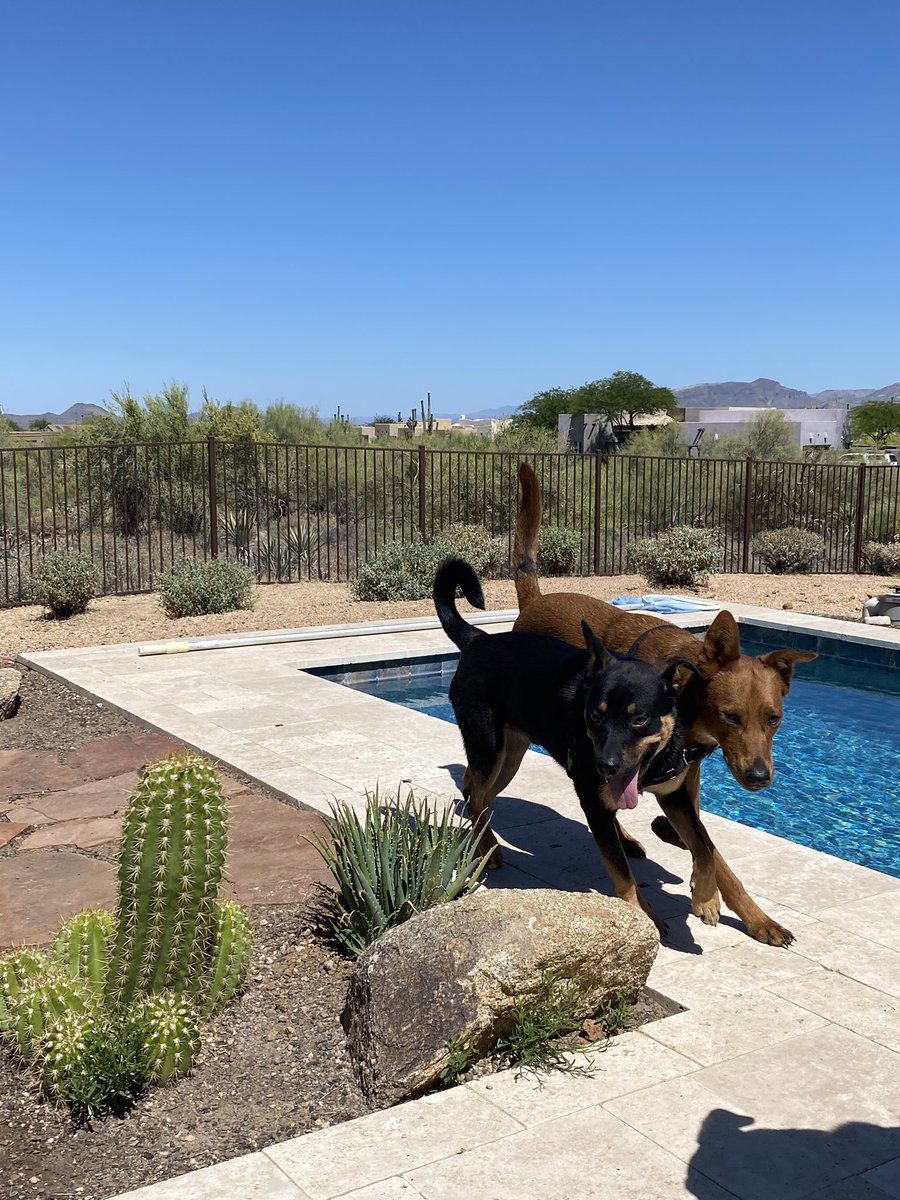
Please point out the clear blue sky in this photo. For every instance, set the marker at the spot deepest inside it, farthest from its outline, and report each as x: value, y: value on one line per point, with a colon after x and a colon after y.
x: 355, y: 203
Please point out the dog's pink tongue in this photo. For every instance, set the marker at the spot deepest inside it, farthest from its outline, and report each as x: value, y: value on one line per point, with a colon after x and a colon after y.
x: 624, y: 789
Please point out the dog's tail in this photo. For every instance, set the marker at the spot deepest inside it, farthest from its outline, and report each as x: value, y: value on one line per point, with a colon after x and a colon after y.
x: 456, y: 573
x: 528, y: 530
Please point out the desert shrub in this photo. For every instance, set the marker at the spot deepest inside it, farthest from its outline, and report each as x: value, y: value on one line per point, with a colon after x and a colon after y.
x: 558, y: 550
x: 680, y: 557
x: 64, y: 580
x: 192, y: 589
x: 399, y: 571
x: 397, y: 861
x: 787, y: 551
x: 883, y: 558
x: 473, y: 543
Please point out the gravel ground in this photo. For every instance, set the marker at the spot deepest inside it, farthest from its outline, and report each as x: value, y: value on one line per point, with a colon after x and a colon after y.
x: 112, y: 619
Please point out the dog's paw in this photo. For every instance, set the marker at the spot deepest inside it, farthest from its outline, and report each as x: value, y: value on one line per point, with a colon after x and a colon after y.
x: 496, y: 859
x: 707, y: 910
x: 771, y: 933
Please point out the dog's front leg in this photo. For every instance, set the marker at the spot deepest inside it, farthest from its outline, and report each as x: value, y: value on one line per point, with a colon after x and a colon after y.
x: 684, y: 818
x: 605, y: 828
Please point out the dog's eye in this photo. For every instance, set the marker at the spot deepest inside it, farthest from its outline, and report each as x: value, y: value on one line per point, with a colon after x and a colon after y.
x: 640, y: 722
x: 595, y: 716
x: 732, y: 718
x: 774, y: 719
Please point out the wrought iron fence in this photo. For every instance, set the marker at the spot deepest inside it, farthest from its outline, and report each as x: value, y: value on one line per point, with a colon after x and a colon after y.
x: 318, y: 512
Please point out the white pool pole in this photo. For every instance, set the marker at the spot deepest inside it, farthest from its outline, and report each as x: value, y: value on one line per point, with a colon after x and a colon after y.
x: 320, y: 633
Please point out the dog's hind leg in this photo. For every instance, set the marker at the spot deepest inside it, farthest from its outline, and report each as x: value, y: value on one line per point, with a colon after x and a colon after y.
x: 489, y: 771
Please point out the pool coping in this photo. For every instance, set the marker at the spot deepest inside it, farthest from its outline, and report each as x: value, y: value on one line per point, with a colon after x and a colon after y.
x: 822, y: 1017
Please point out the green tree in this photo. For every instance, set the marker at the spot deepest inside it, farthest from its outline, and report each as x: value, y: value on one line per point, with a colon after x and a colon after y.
x: 293, y: 424
x: 231, y: 422
x: 875, y: 421
x: 38, y: 424
x: 621, y: 397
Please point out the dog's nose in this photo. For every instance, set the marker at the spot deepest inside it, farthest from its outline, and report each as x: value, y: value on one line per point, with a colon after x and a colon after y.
x: 609, y: 766
x: 758, y: 775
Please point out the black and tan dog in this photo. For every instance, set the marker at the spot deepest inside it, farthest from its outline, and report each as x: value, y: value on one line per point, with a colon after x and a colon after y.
x: 735, y: 701
x: 609, y: 721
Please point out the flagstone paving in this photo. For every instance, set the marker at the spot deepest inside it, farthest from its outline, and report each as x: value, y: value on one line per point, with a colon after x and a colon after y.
x: 55, y: 812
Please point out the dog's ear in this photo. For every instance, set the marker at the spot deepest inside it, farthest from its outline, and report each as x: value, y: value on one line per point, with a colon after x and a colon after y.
x: 783, y: 662
x: 675, y: 672
x: 722, y: 644
x: 598, y: 656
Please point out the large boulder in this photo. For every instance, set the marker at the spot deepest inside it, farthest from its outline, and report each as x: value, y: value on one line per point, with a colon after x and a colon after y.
x: 10, y: 680
x: 458, y: 970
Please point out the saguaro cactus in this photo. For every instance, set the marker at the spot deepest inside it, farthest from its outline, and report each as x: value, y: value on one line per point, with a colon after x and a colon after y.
x: 170, y: 867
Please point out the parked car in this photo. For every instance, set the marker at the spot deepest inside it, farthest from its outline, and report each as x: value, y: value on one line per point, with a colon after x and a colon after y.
x: 870, y: 458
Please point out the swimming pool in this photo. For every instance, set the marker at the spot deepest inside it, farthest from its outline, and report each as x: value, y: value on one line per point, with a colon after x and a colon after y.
x: 837, y: 755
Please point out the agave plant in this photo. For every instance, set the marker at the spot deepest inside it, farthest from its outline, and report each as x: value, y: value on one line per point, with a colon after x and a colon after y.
x: 238, y: 525
x: 398, y: 860
x: 280, y: 555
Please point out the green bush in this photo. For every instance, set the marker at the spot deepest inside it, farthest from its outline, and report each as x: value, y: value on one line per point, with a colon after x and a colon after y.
x: 473, y: 543
x: 395, y: 862
x: 193, y: 589
x: 399, y: 571
x: 558, y: 550
x: 680, y: 557
x: 883, y: 558
x: 64, y: 580
x: 787, y: 551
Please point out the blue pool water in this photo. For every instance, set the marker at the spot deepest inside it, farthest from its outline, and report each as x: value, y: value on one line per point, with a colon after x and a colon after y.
x: 837, y: 766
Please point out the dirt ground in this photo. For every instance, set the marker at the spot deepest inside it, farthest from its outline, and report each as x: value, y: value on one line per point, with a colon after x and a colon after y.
x: 112, y: 619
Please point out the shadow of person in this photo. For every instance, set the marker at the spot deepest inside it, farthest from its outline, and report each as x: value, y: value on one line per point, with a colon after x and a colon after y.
x: 786, y: 1164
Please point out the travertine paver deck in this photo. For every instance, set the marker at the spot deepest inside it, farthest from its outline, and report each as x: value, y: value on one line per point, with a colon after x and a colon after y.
x: 782, y: 1079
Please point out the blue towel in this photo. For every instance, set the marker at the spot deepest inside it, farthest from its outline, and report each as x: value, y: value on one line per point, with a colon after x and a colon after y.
x: 676, y: 604
x: 662, y: 604
x: 626, y: 601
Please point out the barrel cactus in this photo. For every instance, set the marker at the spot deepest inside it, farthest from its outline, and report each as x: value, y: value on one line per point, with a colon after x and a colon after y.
x: 170, y: 1032
x: 170, y: 867
x: 17, y: 969
x: 41, y: 1002
x: 82, y: 947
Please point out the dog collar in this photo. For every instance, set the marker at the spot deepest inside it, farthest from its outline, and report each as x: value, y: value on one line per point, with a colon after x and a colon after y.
x: 677, y: 764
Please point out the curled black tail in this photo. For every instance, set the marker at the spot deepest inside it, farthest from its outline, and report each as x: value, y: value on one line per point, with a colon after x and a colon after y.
x: 456, y: 573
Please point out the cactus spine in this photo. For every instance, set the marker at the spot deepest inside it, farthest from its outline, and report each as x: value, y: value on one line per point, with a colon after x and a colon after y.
x: 82, y: 947
x: 173, y: 850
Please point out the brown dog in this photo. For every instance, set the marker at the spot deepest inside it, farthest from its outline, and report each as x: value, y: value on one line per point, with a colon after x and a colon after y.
x: 735, y: 703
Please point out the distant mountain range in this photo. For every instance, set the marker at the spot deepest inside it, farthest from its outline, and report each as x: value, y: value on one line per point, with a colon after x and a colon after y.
x: 74, y: 415
x: 769, y: 393
x: 760, y: 393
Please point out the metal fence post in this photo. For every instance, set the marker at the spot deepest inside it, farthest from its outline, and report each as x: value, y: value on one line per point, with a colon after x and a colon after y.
x: 598, y: 462
x: 421, y: 489
x: 748, y: 486
x: 858, y: 525
x: 213, y: 504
